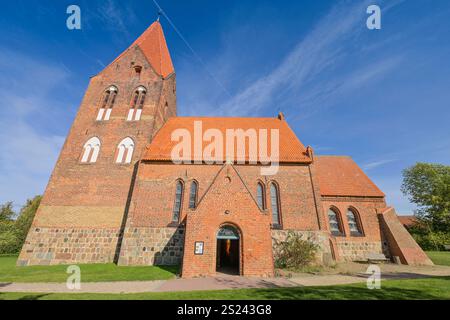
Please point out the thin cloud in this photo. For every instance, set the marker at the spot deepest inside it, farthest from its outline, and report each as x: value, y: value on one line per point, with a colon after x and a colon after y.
x: 319, y: 49
x: 115, y: 17
x: 307, y: 77
x: 376, y: 164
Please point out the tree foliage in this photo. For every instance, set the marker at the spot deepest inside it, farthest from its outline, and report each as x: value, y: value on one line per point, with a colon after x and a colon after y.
x: 428, y: 186
x: 6, y: 212
x: 13, y: 232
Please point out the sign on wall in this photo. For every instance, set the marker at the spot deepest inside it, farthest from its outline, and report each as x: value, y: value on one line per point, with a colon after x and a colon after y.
x: 199, y: 247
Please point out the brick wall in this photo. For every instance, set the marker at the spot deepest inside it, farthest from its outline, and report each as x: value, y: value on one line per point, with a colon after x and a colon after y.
x: 350, y: 247
x: 227, y: 202
x: 401, y: 243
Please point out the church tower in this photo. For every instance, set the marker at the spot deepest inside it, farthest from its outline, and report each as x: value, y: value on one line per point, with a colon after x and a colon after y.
x: 85, y: 204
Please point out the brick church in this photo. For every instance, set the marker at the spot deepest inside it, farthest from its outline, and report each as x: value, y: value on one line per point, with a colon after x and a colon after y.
x: 116, y: 195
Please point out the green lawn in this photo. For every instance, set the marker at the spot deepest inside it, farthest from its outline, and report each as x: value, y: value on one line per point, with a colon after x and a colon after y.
x: 89, y: 272
x: 427, y: 288
x: 439, y: 257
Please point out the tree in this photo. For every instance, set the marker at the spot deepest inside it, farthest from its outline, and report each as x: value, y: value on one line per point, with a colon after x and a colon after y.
x: 13, y: 232
x: 6, y: 212
x: 8, y: 238
x: 428, y: 186
x: 26, y: 216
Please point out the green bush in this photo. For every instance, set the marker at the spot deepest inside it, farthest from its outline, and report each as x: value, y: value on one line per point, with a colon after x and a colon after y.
x: 9, y: 242
x: 431, y: 241
x: 294, y: 253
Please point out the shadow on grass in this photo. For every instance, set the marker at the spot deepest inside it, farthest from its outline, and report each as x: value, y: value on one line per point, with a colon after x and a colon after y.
x: 238, y: 282
x: 345, y: 293
x: 355, y: 292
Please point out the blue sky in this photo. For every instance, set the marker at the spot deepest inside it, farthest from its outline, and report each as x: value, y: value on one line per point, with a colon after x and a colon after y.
x: 380, y: 96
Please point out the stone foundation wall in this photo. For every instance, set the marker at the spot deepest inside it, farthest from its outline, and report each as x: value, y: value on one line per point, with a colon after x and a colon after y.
x: 152, y: 246
x: 320, y: 238
x: 50, y: 246
x: 351, y: 250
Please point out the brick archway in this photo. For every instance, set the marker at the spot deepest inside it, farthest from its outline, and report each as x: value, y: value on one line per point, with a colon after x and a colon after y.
x: 229, y: 250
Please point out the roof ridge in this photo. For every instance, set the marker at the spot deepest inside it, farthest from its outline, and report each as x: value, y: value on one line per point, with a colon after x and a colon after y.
x: 161, y: 63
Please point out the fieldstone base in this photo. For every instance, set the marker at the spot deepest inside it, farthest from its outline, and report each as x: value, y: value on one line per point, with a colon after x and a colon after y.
x: 358, y: 250
x: 320, y: 238
x: 152, y: 246
x: 50, y: 246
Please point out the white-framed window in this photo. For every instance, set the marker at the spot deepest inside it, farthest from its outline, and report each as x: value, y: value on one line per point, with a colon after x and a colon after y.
x: 108, y: 100
x: 137, y: 104
x: 125, y: 151
x: 91, y: 149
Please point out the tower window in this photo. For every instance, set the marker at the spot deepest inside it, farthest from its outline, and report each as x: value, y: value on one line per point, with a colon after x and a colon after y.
x: 261, y: 195
x: 193, y: 195
x: 91, y: 149
x: 275, y: 202
x: 178, y: 200
x: 137, y: 104
x: 107, y: 103
x: 125, y: 151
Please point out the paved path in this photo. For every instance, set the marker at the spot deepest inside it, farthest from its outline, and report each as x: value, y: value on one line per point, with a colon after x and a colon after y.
x: 209, y: 283
x: 219, y: 283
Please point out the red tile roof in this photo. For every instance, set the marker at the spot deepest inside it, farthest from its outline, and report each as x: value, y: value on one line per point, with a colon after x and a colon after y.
x: 408, y: 220
x: 290, y: 149
x: 153, y: 44
x: 341, y: 176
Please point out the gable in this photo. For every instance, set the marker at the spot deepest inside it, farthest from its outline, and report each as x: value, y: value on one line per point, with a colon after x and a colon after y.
x: 228, y: 191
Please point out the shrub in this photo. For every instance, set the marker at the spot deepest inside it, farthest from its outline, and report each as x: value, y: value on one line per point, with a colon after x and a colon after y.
x: 294, y: 253
x: 9, y: 242
x: 432, y: 241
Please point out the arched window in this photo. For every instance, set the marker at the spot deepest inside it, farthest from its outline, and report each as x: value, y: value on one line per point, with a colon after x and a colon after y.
x: 109, y: 97
x: 125, y: 151
x: 275, y: 202
x: 261, y: 195
x: 91, y: 149
x: 193, y: 195
x: 335, y: 222
x: 178, y: 201
x: 354, y: 223
x: 137, y: 103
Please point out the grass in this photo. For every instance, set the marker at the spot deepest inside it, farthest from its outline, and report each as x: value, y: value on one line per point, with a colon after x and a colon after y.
x: 439, y: 257
x: 89, y: 272
x: 419, y: 289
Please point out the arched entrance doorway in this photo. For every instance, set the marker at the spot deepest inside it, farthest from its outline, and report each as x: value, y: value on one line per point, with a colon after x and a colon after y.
x: 228, y: 256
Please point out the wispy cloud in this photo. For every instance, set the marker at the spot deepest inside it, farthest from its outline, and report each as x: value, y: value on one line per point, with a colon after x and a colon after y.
x: 116, y: 17
x: 378, y: 163
x: 309, y: 76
